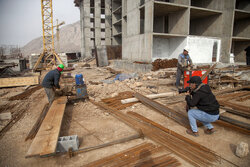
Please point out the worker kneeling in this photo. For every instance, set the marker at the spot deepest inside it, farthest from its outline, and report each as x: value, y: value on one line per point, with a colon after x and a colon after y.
x: 207, y: 110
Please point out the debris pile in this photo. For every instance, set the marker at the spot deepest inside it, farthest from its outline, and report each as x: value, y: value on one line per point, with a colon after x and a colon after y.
x: 160, y: 64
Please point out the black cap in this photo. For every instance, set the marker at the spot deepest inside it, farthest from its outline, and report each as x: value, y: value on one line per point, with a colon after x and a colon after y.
x: 195, y: 79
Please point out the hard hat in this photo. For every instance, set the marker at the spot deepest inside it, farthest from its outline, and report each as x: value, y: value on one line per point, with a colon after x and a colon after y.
x: 61, y: 66
x: 187, y: 48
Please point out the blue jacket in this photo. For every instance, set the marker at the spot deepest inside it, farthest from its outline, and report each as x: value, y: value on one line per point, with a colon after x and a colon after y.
x: 181, y: 61
x: 51, y: 79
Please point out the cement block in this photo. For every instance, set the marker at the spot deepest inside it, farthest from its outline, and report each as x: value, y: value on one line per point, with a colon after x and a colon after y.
x: 66, y: 142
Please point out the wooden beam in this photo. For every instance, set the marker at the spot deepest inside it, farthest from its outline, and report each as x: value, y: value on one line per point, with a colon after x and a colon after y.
x: 151, y: 96
x: 46, y: 139
x: 179, y: 118
x: 208, y: 71
x: 19, y: 81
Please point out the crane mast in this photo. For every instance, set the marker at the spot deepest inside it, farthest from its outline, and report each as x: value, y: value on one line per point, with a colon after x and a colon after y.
x: 48, y: 56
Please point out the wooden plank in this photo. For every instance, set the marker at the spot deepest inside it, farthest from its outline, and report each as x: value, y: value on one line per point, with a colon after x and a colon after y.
x: 207, y: 72
x: 19, y: 81
x: 46, y: 139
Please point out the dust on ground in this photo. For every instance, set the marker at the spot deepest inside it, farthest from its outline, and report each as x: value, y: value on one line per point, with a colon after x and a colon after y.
x: 94, y: 126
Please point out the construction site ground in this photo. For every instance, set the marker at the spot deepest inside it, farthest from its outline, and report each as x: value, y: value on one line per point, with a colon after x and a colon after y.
x: 94, y: 126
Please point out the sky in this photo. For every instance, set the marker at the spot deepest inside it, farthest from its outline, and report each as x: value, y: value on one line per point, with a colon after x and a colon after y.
x: 21, y: 20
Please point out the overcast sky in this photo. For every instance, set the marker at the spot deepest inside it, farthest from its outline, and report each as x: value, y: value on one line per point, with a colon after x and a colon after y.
x: 21, y: 20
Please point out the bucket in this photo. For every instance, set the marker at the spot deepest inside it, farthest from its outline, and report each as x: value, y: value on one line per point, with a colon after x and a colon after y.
x: 79, y: 79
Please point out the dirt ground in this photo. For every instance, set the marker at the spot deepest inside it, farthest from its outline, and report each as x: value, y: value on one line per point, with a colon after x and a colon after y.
x: 94, y: 126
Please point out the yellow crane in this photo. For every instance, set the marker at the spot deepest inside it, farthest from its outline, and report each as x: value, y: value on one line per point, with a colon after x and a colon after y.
x: 48, y: 57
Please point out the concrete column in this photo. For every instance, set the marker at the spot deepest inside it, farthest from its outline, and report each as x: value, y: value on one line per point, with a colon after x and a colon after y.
x: 227, y: 27
x: 108, y: 23
x: 82, y: 29
x: 149, y: 24
x: 86, y: 27
x: 97, y: 27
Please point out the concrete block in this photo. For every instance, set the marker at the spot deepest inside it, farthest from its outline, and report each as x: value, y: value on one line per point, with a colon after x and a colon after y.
x: 4, y: 116
x: 102, y: 56
x: 66, y: 142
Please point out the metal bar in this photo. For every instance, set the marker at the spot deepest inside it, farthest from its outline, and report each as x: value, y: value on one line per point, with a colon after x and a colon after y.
x: 229, y: 125
x: 235, y: 122
x: 235, y: 106
x: 232, y: 90
x: 102, y: 162
x: 236, y: 112
x: 154, y: 124
x: 181, y: 119
x: 81, y: 150
x: 181, y: 148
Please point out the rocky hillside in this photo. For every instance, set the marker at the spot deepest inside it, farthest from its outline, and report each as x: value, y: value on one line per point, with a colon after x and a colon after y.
x: 69, y: 41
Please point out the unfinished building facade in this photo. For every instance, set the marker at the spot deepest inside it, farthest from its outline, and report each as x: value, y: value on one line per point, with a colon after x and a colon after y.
x: 214, y: 30
x: 95, y: 24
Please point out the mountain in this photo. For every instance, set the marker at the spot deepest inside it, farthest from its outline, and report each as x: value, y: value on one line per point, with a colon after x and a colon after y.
x: 70, y: 41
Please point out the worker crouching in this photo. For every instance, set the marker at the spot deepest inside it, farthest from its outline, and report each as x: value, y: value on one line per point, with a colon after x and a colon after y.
x: 207, y: 110
x: 51, y: 82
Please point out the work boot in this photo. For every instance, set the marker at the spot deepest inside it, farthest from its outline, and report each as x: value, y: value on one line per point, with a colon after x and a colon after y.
x: 190, y: 132
x: 209, y: 131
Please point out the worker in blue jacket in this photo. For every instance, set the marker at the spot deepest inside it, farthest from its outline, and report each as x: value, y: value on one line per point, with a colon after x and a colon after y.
x: 51, y: 81
x: 184, y: 61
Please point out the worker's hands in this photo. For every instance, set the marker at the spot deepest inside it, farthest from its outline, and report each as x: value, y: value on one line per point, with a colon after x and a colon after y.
x: 188, y: 97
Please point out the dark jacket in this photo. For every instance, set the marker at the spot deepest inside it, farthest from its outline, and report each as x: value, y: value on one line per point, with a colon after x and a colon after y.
x: 248, y: 51
x: 51, y: 79
x: 204, y: 100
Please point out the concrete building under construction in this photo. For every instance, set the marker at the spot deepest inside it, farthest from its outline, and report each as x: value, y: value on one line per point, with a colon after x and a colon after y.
x: 214, y: 30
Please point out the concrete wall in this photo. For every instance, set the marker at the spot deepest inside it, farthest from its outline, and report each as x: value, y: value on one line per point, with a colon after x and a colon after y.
x: 201, y: 48
x: 209, y: 19
x: 64, y: 59
x: 165, y: 48
x: 238, y: 48
x: 136, y: 46
x: 207, y: 26
x: 16, y: 61
x: 33, y: 59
